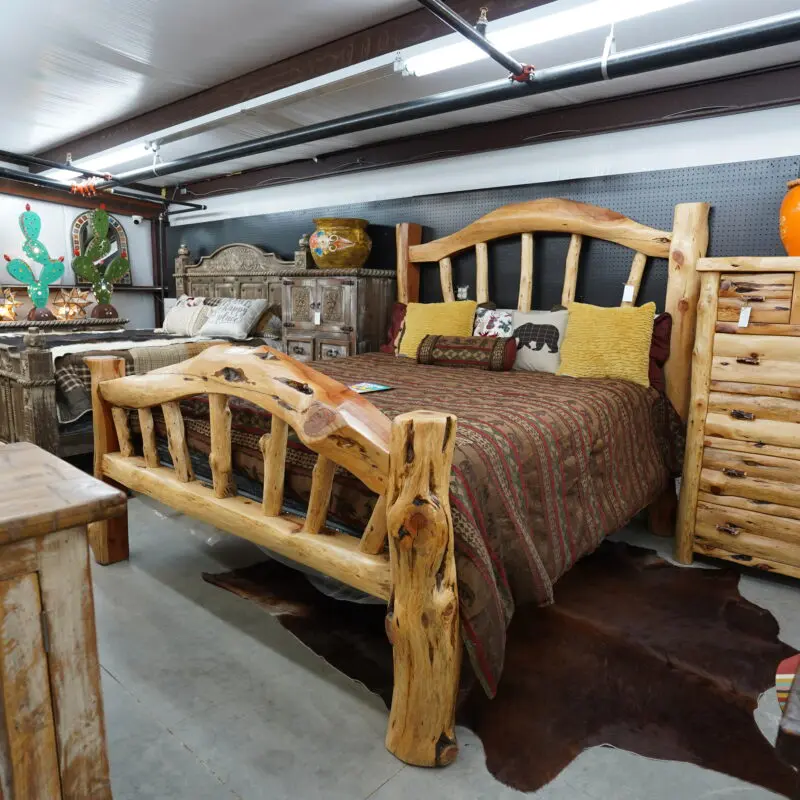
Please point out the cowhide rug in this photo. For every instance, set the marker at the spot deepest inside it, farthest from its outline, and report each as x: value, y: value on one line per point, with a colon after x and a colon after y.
x: 635, y: 653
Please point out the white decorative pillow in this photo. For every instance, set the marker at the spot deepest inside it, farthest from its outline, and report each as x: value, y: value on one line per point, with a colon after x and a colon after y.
x: 493, y: 322
x: 539, y: 336
x: 187, y: 316
x: 234, y: 319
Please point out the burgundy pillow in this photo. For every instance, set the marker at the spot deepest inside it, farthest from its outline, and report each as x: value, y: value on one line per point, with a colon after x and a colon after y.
x: 395, y: 324
x: 659, y: 350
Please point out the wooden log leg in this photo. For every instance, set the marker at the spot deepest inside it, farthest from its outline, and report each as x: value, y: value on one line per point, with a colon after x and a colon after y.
x: 662, y: 513
x: 108, y: 539
x: 422, y: 621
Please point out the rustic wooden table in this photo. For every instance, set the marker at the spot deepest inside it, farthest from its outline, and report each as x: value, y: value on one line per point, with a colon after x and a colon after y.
x: 52, y: 731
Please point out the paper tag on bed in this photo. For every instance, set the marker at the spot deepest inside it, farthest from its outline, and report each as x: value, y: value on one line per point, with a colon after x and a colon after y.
x: 744, y: 316
x: 627, y: 293
x: 317, y: 317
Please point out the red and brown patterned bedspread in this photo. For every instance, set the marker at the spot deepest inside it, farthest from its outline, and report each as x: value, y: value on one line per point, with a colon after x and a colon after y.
x: 544, y: 468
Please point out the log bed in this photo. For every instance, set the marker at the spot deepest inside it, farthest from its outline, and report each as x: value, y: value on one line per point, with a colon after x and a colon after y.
x: 405, y: 555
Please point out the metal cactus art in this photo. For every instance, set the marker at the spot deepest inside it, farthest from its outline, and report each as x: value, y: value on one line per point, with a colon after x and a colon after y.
x: 89, y: 266
x: 30, y: 224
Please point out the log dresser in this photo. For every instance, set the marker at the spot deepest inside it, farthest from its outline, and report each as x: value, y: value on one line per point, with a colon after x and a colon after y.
x: 52, y: 733
x: 740, y: 494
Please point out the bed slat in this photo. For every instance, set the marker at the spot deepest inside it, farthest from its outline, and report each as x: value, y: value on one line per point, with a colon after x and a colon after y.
x: 482, y: 272
x: 374, y: 539
x: 635, y: 278
x: 176, y: 439
x: 321, y: 485
x: 273, y: 446
x: 148, y: 437
x: 220, y: 457
x: 526, y: 273
x: 446, y: 275
x: 571, y: 269
x: 123, y: 429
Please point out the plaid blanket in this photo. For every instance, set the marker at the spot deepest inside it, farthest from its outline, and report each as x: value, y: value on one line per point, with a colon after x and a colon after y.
x: 545, y: 466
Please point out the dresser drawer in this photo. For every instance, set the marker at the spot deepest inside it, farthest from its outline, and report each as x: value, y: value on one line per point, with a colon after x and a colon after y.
x: 328, y: 347
x: 769, y: 296
x: 768, y: 360
x: 300, y: 348
x: 748, y: 534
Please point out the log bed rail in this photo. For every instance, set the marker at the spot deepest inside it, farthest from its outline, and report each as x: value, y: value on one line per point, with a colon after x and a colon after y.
x: 406, y: 553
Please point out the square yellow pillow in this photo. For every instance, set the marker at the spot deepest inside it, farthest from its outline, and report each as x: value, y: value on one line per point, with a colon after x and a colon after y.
x: 608, y: 342
x: 442, y: 319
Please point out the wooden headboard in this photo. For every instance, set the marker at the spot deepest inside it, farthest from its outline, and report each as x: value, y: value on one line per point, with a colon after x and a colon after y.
x: 682, y: 246
x: 237, y: 270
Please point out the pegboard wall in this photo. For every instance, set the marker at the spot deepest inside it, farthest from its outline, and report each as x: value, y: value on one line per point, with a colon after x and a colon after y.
x: 745, y: 199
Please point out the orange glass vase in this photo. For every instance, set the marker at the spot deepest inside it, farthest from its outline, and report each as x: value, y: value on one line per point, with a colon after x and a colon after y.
x: 790, y: 219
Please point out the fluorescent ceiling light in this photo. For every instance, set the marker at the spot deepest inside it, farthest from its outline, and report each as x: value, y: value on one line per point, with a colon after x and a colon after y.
x: 100, y: 163
x: 597, y: 14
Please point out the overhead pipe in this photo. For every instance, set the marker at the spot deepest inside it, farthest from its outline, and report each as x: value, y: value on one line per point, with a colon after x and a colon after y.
x: 51, y: 183
x: 446, y: 14
x: 768, y: 32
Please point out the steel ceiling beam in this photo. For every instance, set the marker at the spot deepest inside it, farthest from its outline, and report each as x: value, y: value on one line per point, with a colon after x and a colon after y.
x: 776, y: 30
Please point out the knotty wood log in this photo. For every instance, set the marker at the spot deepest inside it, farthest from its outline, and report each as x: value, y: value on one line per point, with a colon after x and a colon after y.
x: 764, y: 431
x: 767, y: 328
x: 719, y: 483
x: 176, y: 441
x: 794, y: 317
x: 526, y: 273
x: 374, y: 538
x: 407, y: 234
x: 689, y: 244
x: 747, y: 544
x: 722, y: 517
x: 635, y: 277
x: 739, y: 406
x: 422, y: 621
x: 109, y: 538
x: 320, y: 497
x: 571, y: 269
x: 148, y: 437
x: 707, y: 548
x: 693, y: 457
x: 327, y: 416
x: 220, y: 458
x: 446, y: 278
x: 747, y: 504
x: 273, y: 448
x: 756, y: 389
x: 335, y: 554
x: 482, y: 272
x: 120, y: 417
x: 755, y: 466
x: 549, y: 214
x: 749, y: 264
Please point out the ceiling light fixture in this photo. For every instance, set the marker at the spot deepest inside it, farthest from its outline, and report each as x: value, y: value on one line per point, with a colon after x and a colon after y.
x: 597, y: 14
x: 101, y: 162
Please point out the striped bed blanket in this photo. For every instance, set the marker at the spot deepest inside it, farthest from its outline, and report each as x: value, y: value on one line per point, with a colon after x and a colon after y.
x: 544, y: 468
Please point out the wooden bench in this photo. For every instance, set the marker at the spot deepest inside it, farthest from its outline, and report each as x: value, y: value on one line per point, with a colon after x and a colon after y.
x: 52, y: 732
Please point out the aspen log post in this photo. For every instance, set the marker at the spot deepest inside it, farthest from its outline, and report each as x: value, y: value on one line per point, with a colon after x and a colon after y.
x: 422, y: 620
x: 108, y: 538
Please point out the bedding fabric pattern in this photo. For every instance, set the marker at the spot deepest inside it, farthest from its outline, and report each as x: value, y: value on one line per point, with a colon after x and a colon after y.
x: 544, y: 468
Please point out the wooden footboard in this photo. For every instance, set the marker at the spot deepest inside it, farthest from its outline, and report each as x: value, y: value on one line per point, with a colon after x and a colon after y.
x: 405, y: 555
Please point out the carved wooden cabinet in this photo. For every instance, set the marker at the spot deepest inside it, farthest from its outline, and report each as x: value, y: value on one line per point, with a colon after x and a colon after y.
x: 336, y: 313
x: 740, y: 495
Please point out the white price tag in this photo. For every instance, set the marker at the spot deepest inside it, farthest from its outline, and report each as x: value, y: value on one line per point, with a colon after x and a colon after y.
x: 317, y: 317
x: 744, y: 317
x: 627, y: 294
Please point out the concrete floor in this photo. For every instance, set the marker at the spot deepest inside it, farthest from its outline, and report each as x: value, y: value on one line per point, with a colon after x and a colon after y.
x: 208, y: 697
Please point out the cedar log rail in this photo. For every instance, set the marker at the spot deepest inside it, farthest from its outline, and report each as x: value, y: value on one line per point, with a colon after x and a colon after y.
x: 406, y: 553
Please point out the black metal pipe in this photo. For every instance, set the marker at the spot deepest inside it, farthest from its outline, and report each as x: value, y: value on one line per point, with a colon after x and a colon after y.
x: 52, y: 183
x: 777, y: 30
x: 460, y: 25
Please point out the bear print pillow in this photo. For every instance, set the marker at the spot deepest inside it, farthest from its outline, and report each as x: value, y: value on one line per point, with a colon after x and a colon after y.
x: 539, y: 335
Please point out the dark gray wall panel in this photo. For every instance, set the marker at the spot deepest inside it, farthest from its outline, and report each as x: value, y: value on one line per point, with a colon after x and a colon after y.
x: 745, y: 199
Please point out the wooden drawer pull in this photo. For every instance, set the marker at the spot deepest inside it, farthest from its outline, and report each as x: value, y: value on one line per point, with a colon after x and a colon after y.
x: 729, y: 528
x: 748, y: 415
x: 752, y: 360
x: 734, y: 473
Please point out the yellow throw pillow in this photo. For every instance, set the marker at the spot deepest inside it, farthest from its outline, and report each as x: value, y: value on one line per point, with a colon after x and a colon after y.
x: 442, y: 319
x: 608, y: 342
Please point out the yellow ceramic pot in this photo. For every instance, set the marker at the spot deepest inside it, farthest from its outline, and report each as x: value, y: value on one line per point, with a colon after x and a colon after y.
x: 790, y: 219
x: 340, y: 242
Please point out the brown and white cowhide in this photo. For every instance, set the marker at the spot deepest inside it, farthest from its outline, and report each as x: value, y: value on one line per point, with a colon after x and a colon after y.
x: 635, y: 653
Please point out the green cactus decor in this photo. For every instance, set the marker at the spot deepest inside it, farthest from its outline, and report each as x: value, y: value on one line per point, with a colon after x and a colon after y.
x: 89, y: 266
x: 38, y: 289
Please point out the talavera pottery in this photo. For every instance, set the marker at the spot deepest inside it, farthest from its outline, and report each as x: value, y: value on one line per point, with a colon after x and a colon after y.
x: 340, y: 243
